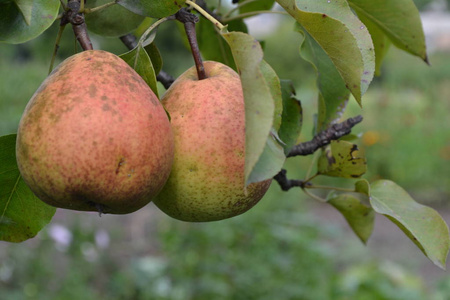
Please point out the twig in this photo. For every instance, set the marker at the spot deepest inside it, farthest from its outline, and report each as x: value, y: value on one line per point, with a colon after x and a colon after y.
x: 74, y: 17
x: 189, y: 21
x: 325, y: 137
x: 286, y: 184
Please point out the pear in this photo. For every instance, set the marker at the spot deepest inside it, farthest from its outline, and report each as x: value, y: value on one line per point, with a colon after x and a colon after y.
x: 208, y: 120
x: 94, y: 137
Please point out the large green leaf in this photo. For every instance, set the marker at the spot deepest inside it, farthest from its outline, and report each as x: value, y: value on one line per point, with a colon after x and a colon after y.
x: 22, y: 214
x: 212, y: 45
x: 342, y: 36
x: 259, y: 104
x: 257, y: 6
x: 26, y: 8
x: 333, y: 94
x: 292, y: 117
x: 381, y: 43
x: 399, y: 20
x: 360, y: 217
x: 422, y: 224
x: 274, y: 84
x: 14, y: 28
x: 153, y: 8
x: 139, y: 60
x: 340, y: 159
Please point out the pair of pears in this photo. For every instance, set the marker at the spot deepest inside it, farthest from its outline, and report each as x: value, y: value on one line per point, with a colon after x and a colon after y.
x: 94, y: 137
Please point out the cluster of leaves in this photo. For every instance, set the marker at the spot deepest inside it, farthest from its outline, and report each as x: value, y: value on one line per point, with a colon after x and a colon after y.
x: 345, y: 41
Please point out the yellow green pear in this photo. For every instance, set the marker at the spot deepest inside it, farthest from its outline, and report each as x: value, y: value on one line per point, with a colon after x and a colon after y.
x: 208, y: 121
x: 94, y: 137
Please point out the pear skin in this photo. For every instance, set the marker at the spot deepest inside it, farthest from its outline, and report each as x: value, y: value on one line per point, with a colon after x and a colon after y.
x: 94, y: 137
x: 208, y: 121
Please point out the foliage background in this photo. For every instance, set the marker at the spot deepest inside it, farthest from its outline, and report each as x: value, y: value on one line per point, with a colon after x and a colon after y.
x: 287, y: 246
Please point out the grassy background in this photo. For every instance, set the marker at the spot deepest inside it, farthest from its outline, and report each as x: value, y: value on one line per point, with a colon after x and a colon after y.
x: 287, y: 247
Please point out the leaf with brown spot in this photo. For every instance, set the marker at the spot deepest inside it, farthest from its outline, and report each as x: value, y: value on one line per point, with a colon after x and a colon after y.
x: 340, y: 159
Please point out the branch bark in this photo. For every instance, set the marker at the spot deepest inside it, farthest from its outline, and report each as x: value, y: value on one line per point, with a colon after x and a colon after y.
x: 74, y: 17
x: 325, y: 137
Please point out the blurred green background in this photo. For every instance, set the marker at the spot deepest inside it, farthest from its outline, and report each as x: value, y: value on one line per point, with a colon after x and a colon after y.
x: 288, y: 246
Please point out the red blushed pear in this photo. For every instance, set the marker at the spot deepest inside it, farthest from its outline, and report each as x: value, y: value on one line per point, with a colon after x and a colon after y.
x: 208, y: 121
x: 94, y: 137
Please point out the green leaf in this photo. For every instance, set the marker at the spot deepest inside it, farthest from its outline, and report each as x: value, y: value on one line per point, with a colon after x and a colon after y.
x: 360, y: 217
x: 139, y: 60
x: 113, y: 21
x: 340, y: 159
x: 344, y: 38
x: 422, y: 224
x: 362, y: 186
x: 259, y: 104
x: 22, y: 214
x: 270, y: 162
x: 333, y: 94
x: 274, y: 84
x: 211, y: 43
x: 26, y: 8
x: 13, y: 26
x: 257, y: 5
x: 155, y: 57
x: 380, y: 41
x: 292, y: 117
x: 153, y: 8
x: 399, y: 20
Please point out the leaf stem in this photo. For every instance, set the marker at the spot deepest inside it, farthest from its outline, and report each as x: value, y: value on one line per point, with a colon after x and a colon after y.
x: 205, y: 14
x: 253, y: 13
x: 55, y: 50
x: 315, y: 197
x: 323, y: 187
x: 94, y: 9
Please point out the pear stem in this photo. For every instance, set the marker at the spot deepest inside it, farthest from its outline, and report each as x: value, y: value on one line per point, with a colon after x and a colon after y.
x: 189, y: 21
x: 73, y: 16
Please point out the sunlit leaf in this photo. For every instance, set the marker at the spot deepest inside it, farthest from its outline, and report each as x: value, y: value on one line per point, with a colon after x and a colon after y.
x: 139, y: 60
x: 399, y: 20
x: 342, y: 36
x: 292, y: 117
x: 362, y: 186
x: 14, y: 28
x: 22, y: 214
x: 340, y: 159
x: 360, y: 217
x: 259, y: 104
x: 422, y: 224
x: 153, y: 8
x: 333, y: 94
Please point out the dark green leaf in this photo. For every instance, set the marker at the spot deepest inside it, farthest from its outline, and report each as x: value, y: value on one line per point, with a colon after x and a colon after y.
x: 22, y: 214
x: 26, y: 8
x: 342, y: 36
x: 257, y: 6
x: 340, y: 159
x: 399, y: 20
x: 153, y: 8
x: 155, y: 57
x: 422, y: 224
x: 113, y: 21
x: 13, y: 26
x: 333, y: 94
x: 292, y: 117
x: 139, y: 60
x: 211, y: 43
x: 360, y: 217
x: 259, y: 104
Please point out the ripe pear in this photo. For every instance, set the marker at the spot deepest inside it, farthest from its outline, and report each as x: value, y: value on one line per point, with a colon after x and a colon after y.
x: 208, y: 121
x: 94, y: 137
